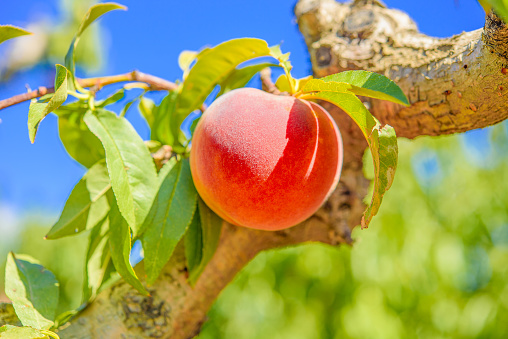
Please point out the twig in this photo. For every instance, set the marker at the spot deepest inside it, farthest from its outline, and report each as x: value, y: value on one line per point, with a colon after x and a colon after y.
x: 267, y: 83
x: 156, y: 84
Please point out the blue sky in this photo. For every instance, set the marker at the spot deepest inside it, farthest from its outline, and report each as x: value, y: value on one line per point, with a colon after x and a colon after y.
x: 149, y: 37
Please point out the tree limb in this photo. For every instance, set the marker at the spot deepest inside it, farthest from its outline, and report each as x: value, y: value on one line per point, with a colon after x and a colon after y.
x: 155, y: 83
x: 454, y: 84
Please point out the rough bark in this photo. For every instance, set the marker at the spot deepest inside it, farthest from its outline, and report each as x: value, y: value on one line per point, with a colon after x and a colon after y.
x: 454, y: 85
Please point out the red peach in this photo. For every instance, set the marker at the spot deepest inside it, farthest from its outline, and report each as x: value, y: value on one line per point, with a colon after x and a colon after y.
x: 265, y: 161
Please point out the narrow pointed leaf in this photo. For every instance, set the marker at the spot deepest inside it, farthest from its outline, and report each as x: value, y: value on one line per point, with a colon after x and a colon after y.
x: 33, y: 291
x: 370, y: 84
x: 204, y: 231
x: 97, y: 260
x: 130, y: 165
x: 162, y: 115
x: 86, y: 206
x: 38, y: 110
x: 382, y: 140
x: 113, y: 98
x: 93, y: 14
x: 174, y: 208
x: 211, y: 68
x: 8, y: 32
x: 241, y: 76
x: 81, y: 144
x: 120, y: 247
x: 146, y: 107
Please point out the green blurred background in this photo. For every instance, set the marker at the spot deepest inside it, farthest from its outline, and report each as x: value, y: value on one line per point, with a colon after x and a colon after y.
x: 433, y: 263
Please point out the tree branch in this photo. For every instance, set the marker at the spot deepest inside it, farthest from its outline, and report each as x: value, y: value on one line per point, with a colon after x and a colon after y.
x: 454, y: 84
x: 155, y: 83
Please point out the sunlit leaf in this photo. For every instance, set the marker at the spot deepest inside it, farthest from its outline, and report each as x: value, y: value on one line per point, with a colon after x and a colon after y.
x: 14, y: 332
x: 38, y: 110
x: 185, y: 60
x: 370, y: 84
x: 8, y: 32
x: 241, y: 76
x: 162, y: 114
x: 210, y: 69
x: 86, y: 206
x: 113, y: 98
x: 33, y: 291
x: 146, y: 107
x: 382, y: 140
x: 500, y: 7
x: 93, y: 14
x: 120, y: 247
x: 201, y: 240
x: 97, y: 260
x: 81, y: 144
x: 174, y: 207
x: 130, y: 165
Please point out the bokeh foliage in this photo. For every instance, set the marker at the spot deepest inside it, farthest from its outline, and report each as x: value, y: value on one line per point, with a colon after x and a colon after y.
x: 432, y: 265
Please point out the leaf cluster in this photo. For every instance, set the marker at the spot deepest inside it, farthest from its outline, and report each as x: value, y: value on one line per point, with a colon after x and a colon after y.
x: 126, y: 197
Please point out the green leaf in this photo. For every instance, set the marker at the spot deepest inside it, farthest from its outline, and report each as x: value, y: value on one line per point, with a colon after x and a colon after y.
x: 97, y: 260
x: 93, y: 14
x: 120, y: 248
x: 174, y: 208
x: 500, y: 7
x: 8, y: 32
x: 382, y: 140
x: 14, y: 332
x: 33, y: 291
x: 161, y: 127
x: 283, y: 59
x: 241, y: 76
x: 185, y: 60
x: 113, y: 98
x: 201, y: 240
x: 86, y: 206
x: 81, y: 144
x: 146, y: 107
x: 370, y: 84
x: 130, y: 165
x: 39, y: 110
x: 211, y: 68
x: 194, y: 124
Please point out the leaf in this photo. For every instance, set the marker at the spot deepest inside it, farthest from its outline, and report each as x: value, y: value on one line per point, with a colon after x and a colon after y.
x: 500, y: 7
x: 201, y: 240
x: 113, y: 98
x: 87, y: 204
x: 241, y: 76
x: 120, y: 248
x: 382, y: 140
x: 194, y: 124
x: 14, y: 332
x: 211, y: 68
x: 33, y: 291
x: 370, y: 84
x: 185, y: 60
x: 286, y: 65
x: 282, y: 83
x: 38, y: 110
x: 130, y: 165
x: 81, y: 144
x: 146, y: 107
x: 97, y: 260
x: 174, y: 208
x: 93, y: 14
x: 161, y: 127
x: 8, y: 32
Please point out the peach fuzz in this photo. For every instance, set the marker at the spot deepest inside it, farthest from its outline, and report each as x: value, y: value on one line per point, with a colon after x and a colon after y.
x: 265, y: 161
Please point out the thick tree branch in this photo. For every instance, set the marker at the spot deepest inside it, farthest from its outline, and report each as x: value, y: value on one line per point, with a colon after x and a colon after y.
x: 454, y: 84
x: 155, y: 83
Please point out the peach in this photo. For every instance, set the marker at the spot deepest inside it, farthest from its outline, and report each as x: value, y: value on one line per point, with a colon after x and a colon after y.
x: 265, y: 161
